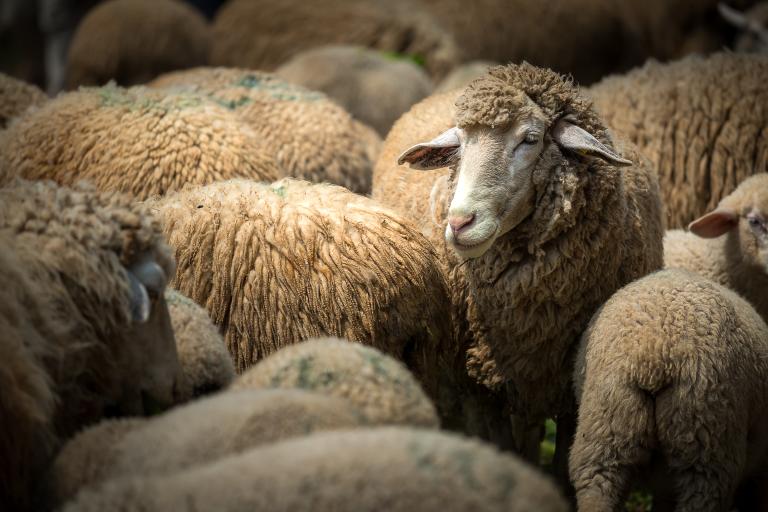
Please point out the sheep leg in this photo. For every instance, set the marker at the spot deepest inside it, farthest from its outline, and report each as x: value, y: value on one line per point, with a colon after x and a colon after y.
x: 615, y: 429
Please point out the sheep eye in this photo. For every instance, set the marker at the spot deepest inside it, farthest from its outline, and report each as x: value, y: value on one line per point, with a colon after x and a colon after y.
x: 531, y: 139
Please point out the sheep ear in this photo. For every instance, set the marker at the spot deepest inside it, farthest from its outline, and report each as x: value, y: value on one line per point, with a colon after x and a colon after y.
x: 442, y: 151
x: 715, y: 223
x: 569, y: 136
x: 140, y: 306
x: 732, y: 16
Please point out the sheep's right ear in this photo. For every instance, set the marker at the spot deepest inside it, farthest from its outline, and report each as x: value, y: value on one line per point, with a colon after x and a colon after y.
x: 715, y: 223
x: 147, y: 280
x: 140, y: 306
x: 442, y: 151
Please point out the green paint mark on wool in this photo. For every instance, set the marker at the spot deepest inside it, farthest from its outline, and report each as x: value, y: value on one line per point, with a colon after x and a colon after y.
x: 410, y: 57
x: 280, y: 191
x: 277, y: 89
x: 305, y: 369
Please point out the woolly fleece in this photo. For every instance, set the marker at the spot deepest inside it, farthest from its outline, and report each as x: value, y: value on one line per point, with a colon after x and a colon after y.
x: 309, y: 136
x: 377, y: 385
x: 701, y: 121
x: 140, y: 141
x: 673, y: 364
x: 392, y: 469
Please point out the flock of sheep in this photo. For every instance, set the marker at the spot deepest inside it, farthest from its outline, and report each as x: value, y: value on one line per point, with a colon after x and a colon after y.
x: 265, y: 263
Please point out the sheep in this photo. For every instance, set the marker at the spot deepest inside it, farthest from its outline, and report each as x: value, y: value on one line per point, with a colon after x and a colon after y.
x: 139, y: 141
x: 132, y: 41
x: 16, y: 97
x: 311, y: 137
x: 753, y: 36
x: 673, y: 366
x: 533, y: 203
x: 462, y: 75
x: 588, y: 38
x: 380, y: 387
x: 277, y: 264
x: 372, y: 86
x: 703, y: 133
x: 198, y: 433
x: 263, y: 35
x: 203, y: 356
x: 84, y: 329
x: 730, y: 244
x: 388, y: 468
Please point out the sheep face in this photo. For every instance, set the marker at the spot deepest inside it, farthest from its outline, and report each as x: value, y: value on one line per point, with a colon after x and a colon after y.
x: 151, y: 373
x: 495, y: 169
x: 743, y: 215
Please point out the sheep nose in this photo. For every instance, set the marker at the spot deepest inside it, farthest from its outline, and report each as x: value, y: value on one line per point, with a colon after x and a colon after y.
x: 460, y: 223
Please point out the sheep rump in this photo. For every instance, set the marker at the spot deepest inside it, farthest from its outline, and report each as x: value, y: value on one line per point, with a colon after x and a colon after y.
x: 671, y: 364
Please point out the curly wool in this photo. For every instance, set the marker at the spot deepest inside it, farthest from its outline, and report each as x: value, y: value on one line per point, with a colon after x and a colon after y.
x: 674, y: 365
x: 278, y: 264
x: 529, y: 297
x: 381, y: 388
x: 365, y: 470
x: 309, y: 136
x: 260, y: 34
x: 374, y: 87
x: 140, y: 141
x: 66, y: 318
x: 16, y: 97
x: 196, y: 434
x: 133, y: 41
x: 204, y: 357
x: 700, y: 122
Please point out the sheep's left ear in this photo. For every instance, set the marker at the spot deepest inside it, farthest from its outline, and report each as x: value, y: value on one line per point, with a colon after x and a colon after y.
x: 442, y: 151
x: 715, y: 223
x: 573, y: 138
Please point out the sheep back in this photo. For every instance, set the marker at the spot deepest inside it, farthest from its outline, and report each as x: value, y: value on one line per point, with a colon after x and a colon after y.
x: 310, y: 136
x: 196, y: 434
x: 16, y: 97
x: 390, y: 468
x: 372, y: 86
x: 380, y: 387
x: 278, y: 264
x: 139, y: 141
x: 132, y: 41
x: 702, y: 132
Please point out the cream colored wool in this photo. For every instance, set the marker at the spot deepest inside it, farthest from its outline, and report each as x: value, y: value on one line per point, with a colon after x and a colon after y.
x: 261, y: 34
x: 462, y: 75
x: 16, y: 97
x: 309, y: 136
x: 193, y: 435
x: 737, y: 259
x: 672, y: 366
x: 140, y: 141
x: 71, y: 351
x: 700, y: 122
x: 373, y: 87
x: 393, y: 469
x: 380, y: 387
x: 278, y: 264
x: 133, y: 41
x: 525, y: 302
x: 203, y: 355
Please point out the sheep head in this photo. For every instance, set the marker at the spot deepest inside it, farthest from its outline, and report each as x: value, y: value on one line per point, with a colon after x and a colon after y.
x: 744, y: 215
x: 509, y: 129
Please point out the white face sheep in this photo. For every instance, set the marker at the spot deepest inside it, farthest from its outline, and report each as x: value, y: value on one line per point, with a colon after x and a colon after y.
x: 548, y: 219
x: 494, y: 190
